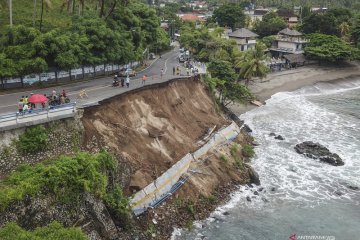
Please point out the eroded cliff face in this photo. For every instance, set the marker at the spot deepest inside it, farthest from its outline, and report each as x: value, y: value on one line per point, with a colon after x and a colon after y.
x: 153, y: 128
x: 147, y: 130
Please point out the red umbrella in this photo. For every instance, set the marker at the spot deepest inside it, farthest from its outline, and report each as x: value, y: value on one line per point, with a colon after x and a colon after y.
x: 37, y: 98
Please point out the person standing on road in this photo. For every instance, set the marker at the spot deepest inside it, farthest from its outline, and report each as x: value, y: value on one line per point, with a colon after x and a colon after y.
x: 20, y: 105
x: 122, y: 82
x: 162, y: 73
x: 26, y: 100
x: 127, y: 81
x: 174, y: 70
x: 143, y: 80
x: 25, y: 108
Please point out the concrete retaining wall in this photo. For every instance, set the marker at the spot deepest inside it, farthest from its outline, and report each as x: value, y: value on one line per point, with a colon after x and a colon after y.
x: 162, y: 185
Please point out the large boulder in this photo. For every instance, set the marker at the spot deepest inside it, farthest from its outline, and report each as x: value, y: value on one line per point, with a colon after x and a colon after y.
x: 253, y: 175
x: 317, y: 151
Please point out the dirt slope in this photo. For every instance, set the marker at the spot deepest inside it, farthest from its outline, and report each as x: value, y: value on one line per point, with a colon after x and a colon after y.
x: 155, y: 127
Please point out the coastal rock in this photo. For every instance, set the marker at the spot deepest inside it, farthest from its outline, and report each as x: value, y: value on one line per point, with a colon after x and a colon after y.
x: 256, y: 193
x: 273, y: 189
x: 254, y: 176
x: 353, y: 187
x: 317, y: 151
x: 279, y: 137
x: 338, y: 193
x: 272, y: 134
x: 247, y: 128
x: 248, y: 198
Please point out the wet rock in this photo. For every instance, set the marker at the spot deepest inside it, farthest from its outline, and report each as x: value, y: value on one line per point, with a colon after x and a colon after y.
x: 260, y: 189
x: 279, y: 137
x: 256, y: 193
x: 273, y: 189
x: 317, y: 151
x: 250, y: 185
x: 339, y: 193
x: 272, y: 134
x: 248, y: 198
x: 353, y: 187
x: 254, y: 176
x: 247, y: 128
x: 226, y: 213
x: 264, y: 199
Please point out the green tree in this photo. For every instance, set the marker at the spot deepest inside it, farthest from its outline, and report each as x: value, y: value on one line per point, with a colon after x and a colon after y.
x: 230, y: 15
x: 253, y: 63
x: 7, y: 67
x: 54, y: 231
x: 355, y: 32
x: 222, y: 70
x: 270, y: 25
x: 329, y: 48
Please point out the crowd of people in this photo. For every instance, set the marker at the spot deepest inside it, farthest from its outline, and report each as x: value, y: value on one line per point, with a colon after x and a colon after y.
x: 26, y: 104
x: 123, y: 81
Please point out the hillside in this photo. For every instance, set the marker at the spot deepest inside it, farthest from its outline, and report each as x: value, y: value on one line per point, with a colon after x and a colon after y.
x: 144, y: 133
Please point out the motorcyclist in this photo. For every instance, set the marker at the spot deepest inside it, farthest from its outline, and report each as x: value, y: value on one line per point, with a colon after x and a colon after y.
x: 116, y: 81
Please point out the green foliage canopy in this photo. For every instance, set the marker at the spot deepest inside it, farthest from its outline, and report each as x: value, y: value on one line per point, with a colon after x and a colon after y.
x: 66, y: 178
x: 230, y: 15
x: 54, y: 231
x: 270, y: 25
x: 33, y: 140
x: 330, y: 48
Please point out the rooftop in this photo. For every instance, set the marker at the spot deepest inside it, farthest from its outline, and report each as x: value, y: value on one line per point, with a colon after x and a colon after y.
x: 289, y: 32
x: 242, y: 33
x: 191, y: 17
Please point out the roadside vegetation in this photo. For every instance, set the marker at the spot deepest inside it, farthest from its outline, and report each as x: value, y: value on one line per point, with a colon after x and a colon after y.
x: 67, y: 39
x: 54, y: 231
x: 33, y: 140
x: 66, y: 178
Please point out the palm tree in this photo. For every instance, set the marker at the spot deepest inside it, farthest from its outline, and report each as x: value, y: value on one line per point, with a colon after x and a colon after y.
x: 252, y: 63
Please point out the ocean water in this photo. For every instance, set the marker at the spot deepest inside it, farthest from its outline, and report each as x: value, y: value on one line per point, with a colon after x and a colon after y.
x: 299, y: 198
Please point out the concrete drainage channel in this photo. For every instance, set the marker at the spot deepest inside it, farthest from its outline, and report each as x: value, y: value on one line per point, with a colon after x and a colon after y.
x: 170, y: 181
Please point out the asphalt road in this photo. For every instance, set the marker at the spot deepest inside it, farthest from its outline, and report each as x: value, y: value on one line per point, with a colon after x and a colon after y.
x: 100, y: 88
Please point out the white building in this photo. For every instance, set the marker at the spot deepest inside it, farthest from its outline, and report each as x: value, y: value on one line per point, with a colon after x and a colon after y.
x: 245, y: 39
x: 288, y: 42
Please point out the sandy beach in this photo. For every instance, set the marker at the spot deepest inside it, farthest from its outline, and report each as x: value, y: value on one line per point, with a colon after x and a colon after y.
x: 294, y: 79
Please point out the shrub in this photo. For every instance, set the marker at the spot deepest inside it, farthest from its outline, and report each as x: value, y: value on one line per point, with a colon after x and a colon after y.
x: 234, y: 150
x: 190, y: 208
x: 33, y: 140
x: 119, y: 205
x: 66, y: 178
x: 223, y: 158
x: 248, y: 151
x: 54, y: 231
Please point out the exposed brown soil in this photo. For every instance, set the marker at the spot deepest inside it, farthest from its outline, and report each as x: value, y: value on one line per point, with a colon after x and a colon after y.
x: 155, y: 127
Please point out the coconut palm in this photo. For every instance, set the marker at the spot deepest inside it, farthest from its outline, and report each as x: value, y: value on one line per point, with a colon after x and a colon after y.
x: 253, y: 63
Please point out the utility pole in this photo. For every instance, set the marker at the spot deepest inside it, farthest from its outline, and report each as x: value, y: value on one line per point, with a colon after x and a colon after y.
x: 10, y: 14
